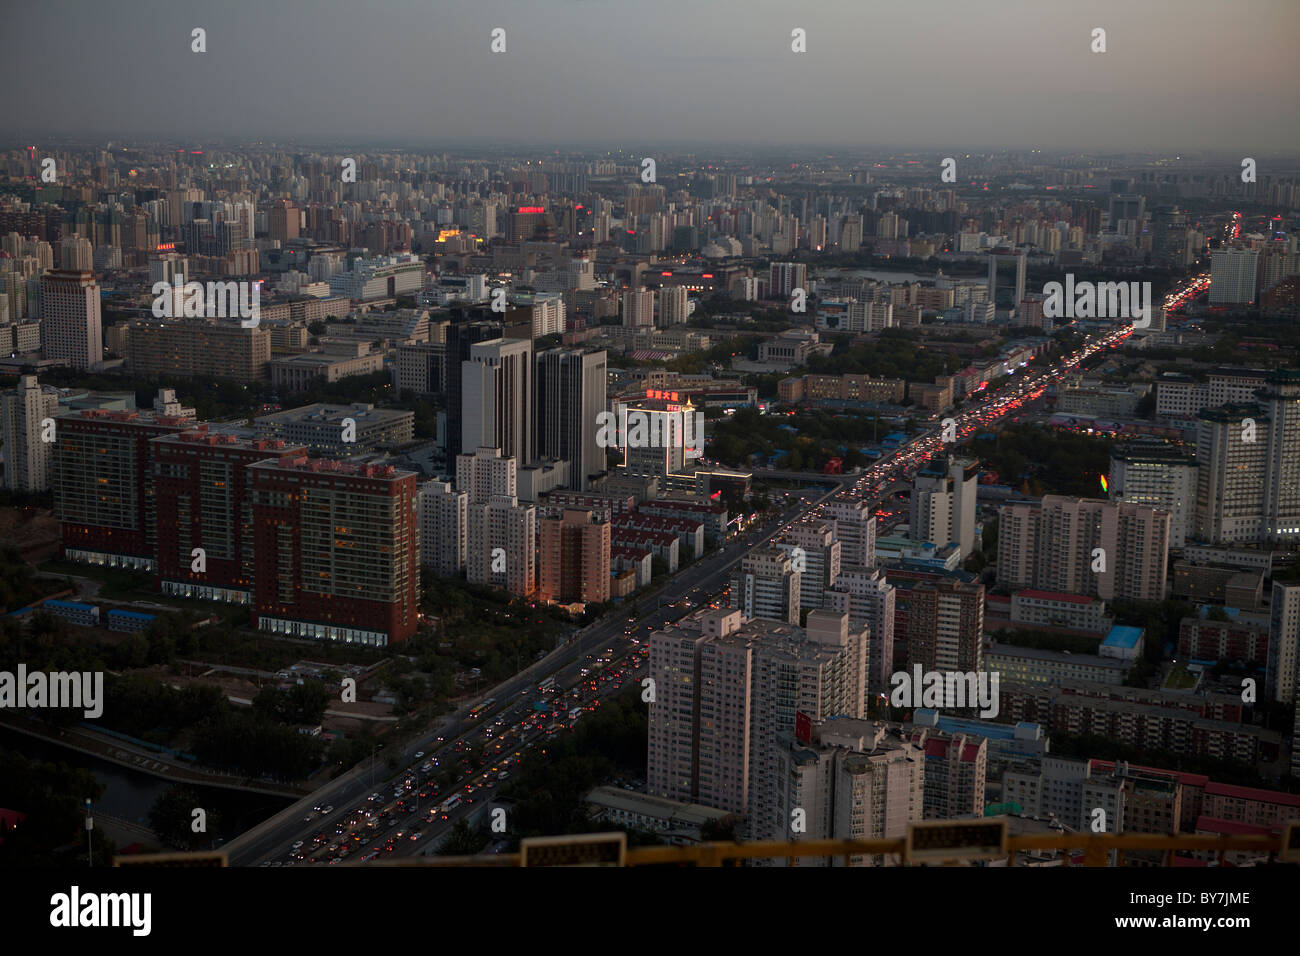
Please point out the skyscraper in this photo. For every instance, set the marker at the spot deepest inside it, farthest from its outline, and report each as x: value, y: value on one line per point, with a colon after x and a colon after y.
x: 855, y: 529
x: 501, y: 544
x: 638, y: 309
x: 570, y: 398
x: 945, y: 626
x: 71, y: 327
x: 673, y: 304
x: 497, y: 398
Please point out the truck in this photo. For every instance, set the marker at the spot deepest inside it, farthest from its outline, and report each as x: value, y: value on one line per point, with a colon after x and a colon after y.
x: 575, y: 713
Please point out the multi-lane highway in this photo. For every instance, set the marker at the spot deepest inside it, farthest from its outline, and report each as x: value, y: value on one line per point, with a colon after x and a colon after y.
x: 358, y: 818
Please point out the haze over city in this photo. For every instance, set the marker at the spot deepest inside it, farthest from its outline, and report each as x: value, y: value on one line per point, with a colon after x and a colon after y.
x: 1179, y: 75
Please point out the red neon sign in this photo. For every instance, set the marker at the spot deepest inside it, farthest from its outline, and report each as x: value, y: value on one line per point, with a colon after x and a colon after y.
x: 525, y: 210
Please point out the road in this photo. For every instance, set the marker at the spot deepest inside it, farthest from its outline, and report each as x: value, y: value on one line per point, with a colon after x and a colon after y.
x: 273, y: 842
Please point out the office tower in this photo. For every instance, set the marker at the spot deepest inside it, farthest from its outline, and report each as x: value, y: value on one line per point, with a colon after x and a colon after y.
x: 639, y: 309
x: 657, y: 436
x: 1281, y: 505
x: 1232, y: 276
x: 766, y: 586
x: 943, y: 503
x: 497, y: 398
x: 461, y: 337
x: 869, y: 600
x: 854, y: 780
x: 785, y: 277
x: 103, y: 480
x: 71, y: 327
x: 570, y: 398
x: 945, y: 626
x: 1282, y: 673
x: 815, y: 554
x: 501, y: 544
x: 338, y: 550
x: 486, y: 473
x: 1157, y: 475
x: 955, y: 767
x: 1006, y: 291
x: 1084, y: 546
x: 855, y: 529
x: 24, y: 412
x: 443, y: 528
x: 573, y: 558
x: 198, y: 348
x: 1231, y: 472
x: 204, y: 500
x: 76, y: 255
x: 673, y: 306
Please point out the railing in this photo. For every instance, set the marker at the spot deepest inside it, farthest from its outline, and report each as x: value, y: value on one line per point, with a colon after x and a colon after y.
x: 1096, y: 849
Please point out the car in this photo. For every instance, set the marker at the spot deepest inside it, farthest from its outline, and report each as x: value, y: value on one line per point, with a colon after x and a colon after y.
x: 419, y: 754
x: 327, y: 809
x: 297, y: 845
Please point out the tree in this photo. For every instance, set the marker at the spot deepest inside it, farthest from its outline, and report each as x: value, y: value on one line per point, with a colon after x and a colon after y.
x: 462, y: 841
x: 172, y: 818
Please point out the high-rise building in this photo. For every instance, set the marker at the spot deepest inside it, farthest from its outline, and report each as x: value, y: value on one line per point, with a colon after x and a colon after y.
x: 24, y: 412
x: 1084, y: 546
x: 1231, y: 463
x: 955, y: 768
x: 815, y: 554
x: 1157, y: 475
x: 461, y: 337
x: 673, y: 306
x: 486, y: 473
x: 573, y: 558
x: 657, y: 436
x: 854, y: 780
x: 725, y: 688
x: 204, y: 502
x: 501, y: 544
x: 869, y: 600
x: 103, y: 480
x: 1281, y: 398
x: 497, y: 398
x: 338, y: 550
x: 570, y: 397
x: 855, y: 529
x: 76, y: 254
x: 766, y: 586
x: 1283, y: 671
x: 71, y: 327
x: 945, y: 626
x: 1232, y: 276
x: 638, y: 309
x: 785, y: 277
x: 943, y: 503
x: 443, y: 523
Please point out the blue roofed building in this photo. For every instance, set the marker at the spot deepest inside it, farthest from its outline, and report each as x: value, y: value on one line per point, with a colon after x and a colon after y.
x: 1123, y: 643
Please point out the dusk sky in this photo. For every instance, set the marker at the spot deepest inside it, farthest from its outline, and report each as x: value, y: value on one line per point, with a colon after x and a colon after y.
x: 1177, y: 74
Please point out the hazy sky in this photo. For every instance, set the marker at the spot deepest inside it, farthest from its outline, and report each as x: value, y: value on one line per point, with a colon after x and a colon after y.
x: 944, y: 74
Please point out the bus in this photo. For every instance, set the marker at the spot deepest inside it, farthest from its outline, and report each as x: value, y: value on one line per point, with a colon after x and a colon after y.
x: 546, y: 686
x: 451, y: 803
x: 482, y: 708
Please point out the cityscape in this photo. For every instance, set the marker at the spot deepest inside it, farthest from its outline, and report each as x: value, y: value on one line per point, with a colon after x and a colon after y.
x: 413, y: 496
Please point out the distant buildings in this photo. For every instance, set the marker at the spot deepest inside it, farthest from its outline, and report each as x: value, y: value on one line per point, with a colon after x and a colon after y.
x: 766, y: 585
x: 23, y: 414
x: 339, y: 431
x: 71, y: 326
